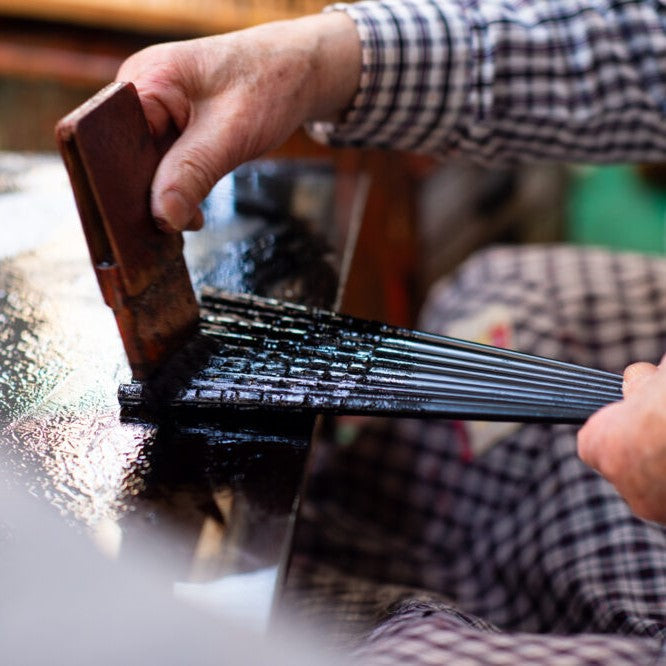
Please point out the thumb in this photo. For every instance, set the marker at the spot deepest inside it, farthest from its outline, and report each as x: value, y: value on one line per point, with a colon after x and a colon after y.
x: 186, y: 174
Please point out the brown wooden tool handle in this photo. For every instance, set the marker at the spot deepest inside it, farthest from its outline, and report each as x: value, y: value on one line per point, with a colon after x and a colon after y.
x: 111, y: 158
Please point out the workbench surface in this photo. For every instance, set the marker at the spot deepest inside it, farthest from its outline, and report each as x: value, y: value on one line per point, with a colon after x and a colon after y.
x: 208, y: 498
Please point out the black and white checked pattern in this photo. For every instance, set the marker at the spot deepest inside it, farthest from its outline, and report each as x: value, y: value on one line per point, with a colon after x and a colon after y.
x: 422, y: 637
x: 509, y: 80
x: 524, y: 535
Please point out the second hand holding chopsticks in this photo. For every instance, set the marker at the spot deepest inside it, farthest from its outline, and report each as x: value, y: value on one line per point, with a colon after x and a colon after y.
x: 266, y: 354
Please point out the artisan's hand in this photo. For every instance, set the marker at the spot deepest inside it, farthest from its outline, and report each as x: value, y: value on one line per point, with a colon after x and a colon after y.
x: 626, y: 441
x: 234, y: 96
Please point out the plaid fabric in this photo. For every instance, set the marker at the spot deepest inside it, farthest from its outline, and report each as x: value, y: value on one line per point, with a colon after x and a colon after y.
x: 434, y: 637
x: 523, y: 535
x: 508, y: 81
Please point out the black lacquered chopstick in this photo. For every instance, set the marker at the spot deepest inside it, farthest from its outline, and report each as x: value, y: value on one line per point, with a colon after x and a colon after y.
x: 384, y: 378
x: 352, y: 387
x: 275, y: 355
x: 299, y: 318
x: 455, y: 370
x: 378, y: 377
x: 450, y: 353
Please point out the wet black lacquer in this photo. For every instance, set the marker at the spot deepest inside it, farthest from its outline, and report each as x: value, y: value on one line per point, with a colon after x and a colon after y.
x: 154, y: 481
x: 267, y: 354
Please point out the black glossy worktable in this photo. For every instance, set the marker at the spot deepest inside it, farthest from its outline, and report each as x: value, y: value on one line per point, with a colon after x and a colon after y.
x: 213, y: 498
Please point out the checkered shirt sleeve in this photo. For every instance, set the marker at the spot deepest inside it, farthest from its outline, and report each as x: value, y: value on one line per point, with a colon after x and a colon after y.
x: 510, y: 80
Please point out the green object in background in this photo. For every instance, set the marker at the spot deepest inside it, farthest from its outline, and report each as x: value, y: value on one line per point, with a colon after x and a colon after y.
x: 614, y: 207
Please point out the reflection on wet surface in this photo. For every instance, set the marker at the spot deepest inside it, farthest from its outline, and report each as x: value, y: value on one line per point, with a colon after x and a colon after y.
x: 282, y: 256
x: 237, y: 475
x: 61, y: 361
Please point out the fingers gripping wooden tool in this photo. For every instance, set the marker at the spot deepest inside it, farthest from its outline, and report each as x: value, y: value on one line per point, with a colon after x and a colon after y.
x: 111, y: 157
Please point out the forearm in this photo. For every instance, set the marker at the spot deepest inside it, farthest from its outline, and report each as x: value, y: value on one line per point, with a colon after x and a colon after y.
x: 573, y: 80
x: 315, y: 59
x: 337, y: 66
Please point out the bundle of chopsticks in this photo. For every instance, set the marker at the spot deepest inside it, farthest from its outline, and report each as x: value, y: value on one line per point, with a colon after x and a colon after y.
x: 267, y: 354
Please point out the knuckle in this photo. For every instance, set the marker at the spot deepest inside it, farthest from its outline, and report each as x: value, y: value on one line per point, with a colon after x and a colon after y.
x: 585, y: 451
x: 611, y: 459
x: 609, y: 467
x: 199, y: 168
x: 642, y: 508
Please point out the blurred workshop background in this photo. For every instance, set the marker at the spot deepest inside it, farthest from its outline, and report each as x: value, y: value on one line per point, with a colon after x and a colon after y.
x: 422, y: 218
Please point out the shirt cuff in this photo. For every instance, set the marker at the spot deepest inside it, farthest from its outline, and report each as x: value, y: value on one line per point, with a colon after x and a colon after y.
x: 414, y: 77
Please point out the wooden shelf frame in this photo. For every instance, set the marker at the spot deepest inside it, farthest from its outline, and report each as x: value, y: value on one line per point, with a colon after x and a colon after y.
x: 198, y: 17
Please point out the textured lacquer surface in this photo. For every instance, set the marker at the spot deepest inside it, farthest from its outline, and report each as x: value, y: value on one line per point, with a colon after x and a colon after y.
x: 215, y: 494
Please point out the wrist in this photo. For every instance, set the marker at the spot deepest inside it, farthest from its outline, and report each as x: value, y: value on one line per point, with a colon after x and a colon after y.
x: 336, y: 64
x: 314, y: 60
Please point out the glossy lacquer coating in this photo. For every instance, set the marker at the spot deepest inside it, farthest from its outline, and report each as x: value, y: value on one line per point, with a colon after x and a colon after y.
x: 271, y: 355
x: 212, y: 495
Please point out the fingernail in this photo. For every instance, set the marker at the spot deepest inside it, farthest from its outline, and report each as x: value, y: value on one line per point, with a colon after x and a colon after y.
x: 175, y: 212
x: 162, y: 225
